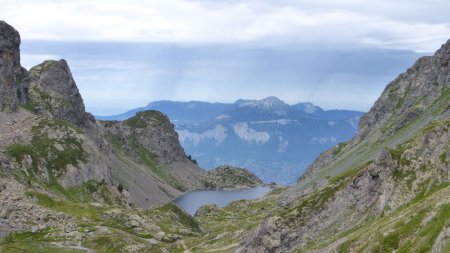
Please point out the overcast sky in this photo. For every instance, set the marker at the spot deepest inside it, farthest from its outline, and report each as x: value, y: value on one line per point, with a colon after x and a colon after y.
x: 126, y: 53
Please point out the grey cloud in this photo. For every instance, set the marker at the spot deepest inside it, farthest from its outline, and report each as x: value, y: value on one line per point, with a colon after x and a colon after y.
x: 413, y: 25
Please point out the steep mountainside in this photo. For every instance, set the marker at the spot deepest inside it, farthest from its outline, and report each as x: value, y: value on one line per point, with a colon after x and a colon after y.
x: 48, y: 139
x: 386, y: 190
x: 272, y: 139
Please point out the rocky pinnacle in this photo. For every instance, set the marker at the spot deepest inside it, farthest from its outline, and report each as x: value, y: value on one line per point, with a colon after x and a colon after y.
x: 11, y: 72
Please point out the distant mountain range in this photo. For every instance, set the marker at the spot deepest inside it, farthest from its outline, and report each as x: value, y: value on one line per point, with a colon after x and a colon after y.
x: 274, y: 140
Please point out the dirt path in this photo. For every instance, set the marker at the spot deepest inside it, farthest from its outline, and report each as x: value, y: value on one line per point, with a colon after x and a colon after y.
x: 78, y: 247
x: 223, y: 248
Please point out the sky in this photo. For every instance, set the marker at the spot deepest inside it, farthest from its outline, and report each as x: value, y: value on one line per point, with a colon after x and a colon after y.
x: 126, y: 53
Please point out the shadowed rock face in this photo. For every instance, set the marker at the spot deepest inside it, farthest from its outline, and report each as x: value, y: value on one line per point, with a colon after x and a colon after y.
x: 11, y: 72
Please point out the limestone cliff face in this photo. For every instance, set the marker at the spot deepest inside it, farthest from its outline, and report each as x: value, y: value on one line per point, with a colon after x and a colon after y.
x: 48, y: 138
x: 12, y: 92
x: 361, y: 195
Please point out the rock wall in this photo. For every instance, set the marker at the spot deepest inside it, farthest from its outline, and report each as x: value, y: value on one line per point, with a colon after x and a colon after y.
x: 12, y: 92
x: 54, y: 93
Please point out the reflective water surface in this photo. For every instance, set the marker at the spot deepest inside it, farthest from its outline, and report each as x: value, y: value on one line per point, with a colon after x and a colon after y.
x: 191, y: 201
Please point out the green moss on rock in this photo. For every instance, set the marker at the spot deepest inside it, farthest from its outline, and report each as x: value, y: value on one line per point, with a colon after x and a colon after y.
x: 50, y: 152
x: 147, y: 118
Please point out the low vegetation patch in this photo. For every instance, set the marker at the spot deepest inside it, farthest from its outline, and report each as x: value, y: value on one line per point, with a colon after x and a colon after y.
x: 75, y: 209
x: 147, y: 118
x: 54, y: 153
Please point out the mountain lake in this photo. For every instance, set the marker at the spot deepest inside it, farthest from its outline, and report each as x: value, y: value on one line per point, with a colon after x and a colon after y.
x: 192, y: 200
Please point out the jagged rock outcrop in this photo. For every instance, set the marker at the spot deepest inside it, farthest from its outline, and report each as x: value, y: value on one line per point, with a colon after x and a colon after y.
x: 226, y: 176
x: 54, y: 93
x: 364, y: 195
x: 47, y: 89
x: 12, y: 90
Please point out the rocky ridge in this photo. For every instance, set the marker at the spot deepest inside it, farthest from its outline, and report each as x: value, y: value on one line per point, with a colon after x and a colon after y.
x: 230, y: 177
x: 48, y: 138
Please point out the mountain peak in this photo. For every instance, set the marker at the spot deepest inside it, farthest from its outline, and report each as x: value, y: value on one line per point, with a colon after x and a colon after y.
x: 53, y: 92
x: 272, y: 99
x: 269, y: 104
x: 47, y: 89
x: 10, y: 69
x: 8, y: 35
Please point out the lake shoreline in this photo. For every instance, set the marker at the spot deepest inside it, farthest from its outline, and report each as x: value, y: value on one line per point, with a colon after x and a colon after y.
x: 240, y: 187
x: 192, y: 200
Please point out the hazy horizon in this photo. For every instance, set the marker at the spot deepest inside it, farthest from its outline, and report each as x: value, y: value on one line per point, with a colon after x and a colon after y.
x: 227, y: 102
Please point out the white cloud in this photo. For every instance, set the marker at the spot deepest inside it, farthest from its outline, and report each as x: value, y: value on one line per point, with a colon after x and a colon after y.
x: 218, y: 134
x: 282, y: 144
x: 414, y: 25
x: 244, y: 132
x: 323, y: 140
